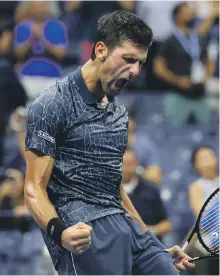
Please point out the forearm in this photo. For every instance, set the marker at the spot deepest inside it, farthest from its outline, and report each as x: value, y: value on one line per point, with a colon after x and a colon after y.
x: 21, y: 51
x: 38, y: 174
x: 39, y: 206
x: 161, y: 228
x: 56, y: 51
x: 130, y: 209
x: 205, y: 26
x: 210, y: 68
x: 163, y: 72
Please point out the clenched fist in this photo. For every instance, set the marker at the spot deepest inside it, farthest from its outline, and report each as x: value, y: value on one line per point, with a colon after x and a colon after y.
x: 77, y: 238
x: 181, y: 259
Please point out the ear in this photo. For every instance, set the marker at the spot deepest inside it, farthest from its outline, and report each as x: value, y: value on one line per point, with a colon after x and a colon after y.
x: 101, y: 51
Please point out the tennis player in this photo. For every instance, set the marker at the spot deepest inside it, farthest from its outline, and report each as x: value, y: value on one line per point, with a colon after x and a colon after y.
x: 76, y: 138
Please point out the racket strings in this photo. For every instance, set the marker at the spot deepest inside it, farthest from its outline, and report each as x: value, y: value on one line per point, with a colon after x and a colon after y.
x: 209, y: 224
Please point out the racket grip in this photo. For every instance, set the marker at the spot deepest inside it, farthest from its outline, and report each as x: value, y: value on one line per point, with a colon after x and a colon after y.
x: 185, y: 245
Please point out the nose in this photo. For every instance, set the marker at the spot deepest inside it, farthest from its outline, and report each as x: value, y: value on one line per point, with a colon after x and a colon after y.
x: 135, y: 69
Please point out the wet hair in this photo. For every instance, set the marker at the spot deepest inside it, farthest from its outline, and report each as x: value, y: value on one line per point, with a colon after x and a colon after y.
x: 119, y: 26
x: 196, y: 150
x: 177, y: 9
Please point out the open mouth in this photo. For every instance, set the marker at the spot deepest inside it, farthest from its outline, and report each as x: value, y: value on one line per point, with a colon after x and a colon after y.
x: 120, y: 83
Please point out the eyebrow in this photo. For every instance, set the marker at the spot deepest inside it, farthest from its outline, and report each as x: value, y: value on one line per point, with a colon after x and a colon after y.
x: 142, y: 61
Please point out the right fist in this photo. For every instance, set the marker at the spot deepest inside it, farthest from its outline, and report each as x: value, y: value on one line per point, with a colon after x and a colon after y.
x: 77, y: 238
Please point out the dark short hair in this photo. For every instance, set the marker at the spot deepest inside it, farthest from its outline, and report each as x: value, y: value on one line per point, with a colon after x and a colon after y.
x: 196, y: 150
x: 119, y: 26
x: 177, y: 10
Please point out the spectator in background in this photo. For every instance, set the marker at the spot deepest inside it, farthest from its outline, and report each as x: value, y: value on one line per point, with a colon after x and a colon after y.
x: 98, y: 8
x: 207, y: 13
x: 40, y: 45
x: 149, y: 11
x: 23, y: 11
x: 11, y: 193
x: 21, y: 251
x: 183, y: 64
x: 12, y: 93
x: 73, y: 19
x: 7, y: 10
x: 146, y: 153
x: 204, y: 162
x: 89, y: 12
x: 209, y: 28
x: 144, y: 196
x: 13, y: 141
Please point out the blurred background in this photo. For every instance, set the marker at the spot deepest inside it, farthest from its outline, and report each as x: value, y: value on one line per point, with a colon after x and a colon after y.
x: 171, y: 165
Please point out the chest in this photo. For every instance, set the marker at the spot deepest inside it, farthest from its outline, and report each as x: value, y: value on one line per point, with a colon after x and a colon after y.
x: 99, y: 129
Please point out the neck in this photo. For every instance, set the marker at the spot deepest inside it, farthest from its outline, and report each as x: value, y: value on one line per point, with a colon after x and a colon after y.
x: 90, y: 73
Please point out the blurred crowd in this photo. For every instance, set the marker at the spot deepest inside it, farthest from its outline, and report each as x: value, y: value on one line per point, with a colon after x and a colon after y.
x: 171, y: 163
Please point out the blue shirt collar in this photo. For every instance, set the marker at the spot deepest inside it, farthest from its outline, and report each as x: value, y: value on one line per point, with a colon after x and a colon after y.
x: 87, y: 96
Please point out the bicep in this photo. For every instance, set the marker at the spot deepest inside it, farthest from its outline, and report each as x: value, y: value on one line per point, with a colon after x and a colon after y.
x: 38, y: 172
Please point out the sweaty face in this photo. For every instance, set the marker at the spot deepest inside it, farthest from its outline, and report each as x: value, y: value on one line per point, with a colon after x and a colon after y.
x: 206, y: 163
x: 121, y: 65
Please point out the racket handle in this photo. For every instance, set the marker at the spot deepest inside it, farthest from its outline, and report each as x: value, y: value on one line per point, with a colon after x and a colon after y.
x: 204, y: 257
x: 194, y: 259
x: 185, y: 245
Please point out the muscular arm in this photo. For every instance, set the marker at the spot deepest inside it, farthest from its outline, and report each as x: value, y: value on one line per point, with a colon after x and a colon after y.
x: 129, y: 208
x: 39, y: 169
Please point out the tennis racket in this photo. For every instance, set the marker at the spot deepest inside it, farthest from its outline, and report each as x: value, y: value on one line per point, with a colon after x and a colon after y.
x: 207, y: 227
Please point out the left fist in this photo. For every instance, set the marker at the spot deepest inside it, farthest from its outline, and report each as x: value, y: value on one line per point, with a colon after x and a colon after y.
x: 180, y: 258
